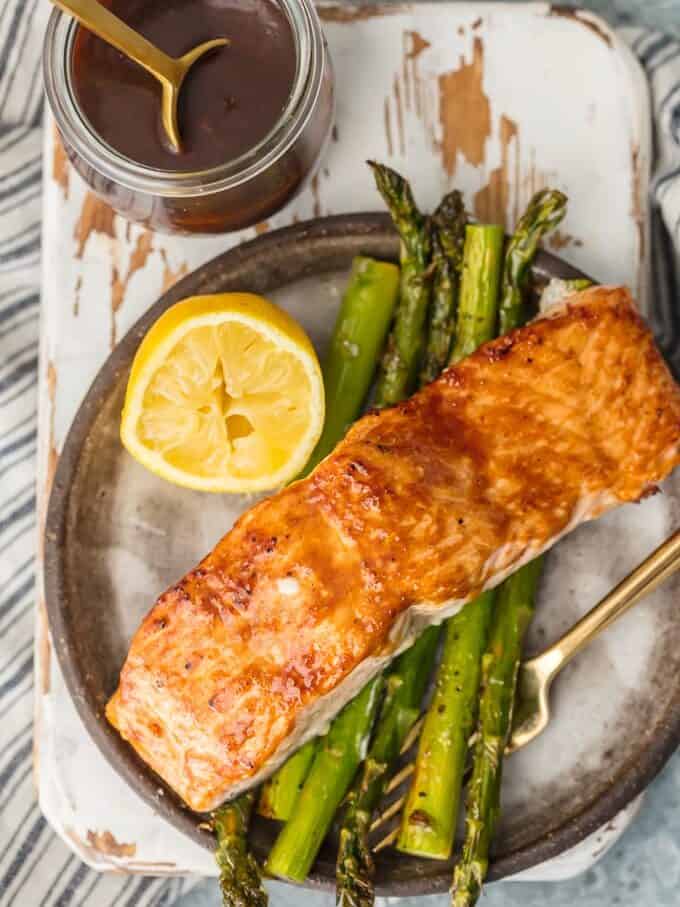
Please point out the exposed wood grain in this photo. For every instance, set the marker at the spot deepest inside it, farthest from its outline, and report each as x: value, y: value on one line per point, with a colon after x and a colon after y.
x: 491, y: 203
x: 417, y: 44
x: 638, y: 210
x: 581, y: 16
x: 464, y: 111
x: 316, y: 197
x: 138, y: 258
x: 396, y: 89
x: 534, y: 178
x: 43, y: 664
x: 417, y: 89
x: 115, y: 863
x: 44, y: 653
x: 414, y: 45
x: 105, y: 842
x: 346, y: 13
x: 388, y: 129
x: 95, y: 217
x: 559, y: 240
x: 171, y: 275
x: 405, y: 65
x: 76, y: 296
x: 53, y: 455
x: 43, y: 645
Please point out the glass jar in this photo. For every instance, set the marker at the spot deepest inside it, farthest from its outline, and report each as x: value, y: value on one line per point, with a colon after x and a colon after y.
x: 231, y: 196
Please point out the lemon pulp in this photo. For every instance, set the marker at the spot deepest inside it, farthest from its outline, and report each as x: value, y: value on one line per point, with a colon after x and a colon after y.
x: 225, y: 394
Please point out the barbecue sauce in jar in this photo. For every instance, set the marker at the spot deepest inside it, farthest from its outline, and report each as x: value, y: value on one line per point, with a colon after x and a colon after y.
x: 229, y: 101
x: 254, y: 116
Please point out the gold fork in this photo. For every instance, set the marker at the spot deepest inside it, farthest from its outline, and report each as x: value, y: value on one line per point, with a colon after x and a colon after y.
x: 532, y: 709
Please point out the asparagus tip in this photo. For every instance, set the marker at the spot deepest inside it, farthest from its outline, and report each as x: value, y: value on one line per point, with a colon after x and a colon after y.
x: 389, y: 181
x: 240, y: 877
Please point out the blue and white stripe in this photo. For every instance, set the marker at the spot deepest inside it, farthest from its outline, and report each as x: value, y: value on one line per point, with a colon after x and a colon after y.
x: 661, y: 58
x: 36, y: 867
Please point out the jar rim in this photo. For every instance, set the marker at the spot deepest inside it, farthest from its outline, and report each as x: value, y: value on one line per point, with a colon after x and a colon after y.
x: 111, y: 164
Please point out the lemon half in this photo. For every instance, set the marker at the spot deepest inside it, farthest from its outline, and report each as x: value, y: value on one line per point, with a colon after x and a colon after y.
x: 225, y: 394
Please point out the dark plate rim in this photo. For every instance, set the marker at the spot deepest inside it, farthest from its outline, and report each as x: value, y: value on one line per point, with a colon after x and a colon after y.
x: 623, y: 789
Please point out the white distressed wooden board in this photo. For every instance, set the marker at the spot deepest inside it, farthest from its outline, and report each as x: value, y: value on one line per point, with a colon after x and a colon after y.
x: 496, y: 100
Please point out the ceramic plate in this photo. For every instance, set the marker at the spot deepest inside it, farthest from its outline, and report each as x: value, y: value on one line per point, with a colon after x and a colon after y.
x: 117, y: 536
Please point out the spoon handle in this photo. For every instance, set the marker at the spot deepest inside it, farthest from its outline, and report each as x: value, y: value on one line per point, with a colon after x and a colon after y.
x: 100, y: 20
x: 661, y: 564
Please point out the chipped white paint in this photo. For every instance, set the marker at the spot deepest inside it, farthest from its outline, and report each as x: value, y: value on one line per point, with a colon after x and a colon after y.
x: 534, y: 117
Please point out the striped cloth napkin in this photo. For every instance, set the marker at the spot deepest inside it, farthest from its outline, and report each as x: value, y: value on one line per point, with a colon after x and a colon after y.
x: 36, y: 867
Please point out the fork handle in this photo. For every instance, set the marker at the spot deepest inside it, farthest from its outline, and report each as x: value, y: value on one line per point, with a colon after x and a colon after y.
x: 106, y: 25
x: 661, y: 564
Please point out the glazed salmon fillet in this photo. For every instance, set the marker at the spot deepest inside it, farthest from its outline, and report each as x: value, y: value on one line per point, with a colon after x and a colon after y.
x: 419, y: 509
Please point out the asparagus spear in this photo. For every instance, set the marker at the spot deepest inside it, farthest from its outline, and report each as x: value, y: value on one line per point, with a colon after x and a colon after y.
x: 405, y: 687
x: 544, y: 212
x: 478, y: 307
x: 513, y: 613
x: 448, y: 237
x: 515, y: 606
x: 240, y: 880
x: 405, y: 343
x: 358, y: 338
x: 407, y: 679
x: 431, y: 809
x: 280, y: 793
x: 329, y: 778
x: 335, y: 763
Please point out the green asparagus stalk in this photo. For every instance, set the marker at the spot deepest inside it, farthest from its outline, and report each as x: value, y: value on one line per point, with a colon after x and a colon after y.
x: 404, y: 691
x: 280, y: 793
x: 544, y: 212
x: 358, y: 338
x: 448, y: 238
x: 240, y: 880
x: 429, y: 817
x: 335, y: 764
x: 408, y: 677
x: 480, y: 284
x: 500, y: 663
x: 405, y: 342
x: 359, y: 334
x: 515, y: 606
x: 329, y: 778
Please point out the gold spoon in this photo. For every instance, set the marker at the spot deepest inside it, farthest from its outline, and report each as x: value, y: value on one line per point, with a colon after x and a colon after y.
x: 532, y: 710
x: 170, y: 71
x: 536, y: 675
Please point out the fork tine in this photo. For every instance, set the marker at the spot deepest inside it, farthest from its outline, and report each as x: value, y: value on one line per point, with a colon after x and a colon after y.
x: 401, y: 776
x: 387, y: 841
x: 398, y: 779
x: 387, y: 814
x: 412, y: 735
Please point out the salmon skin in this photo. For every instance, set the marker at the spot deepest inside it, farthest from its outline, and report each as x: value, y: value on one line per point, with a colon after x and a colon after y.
x: 418, y: 510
